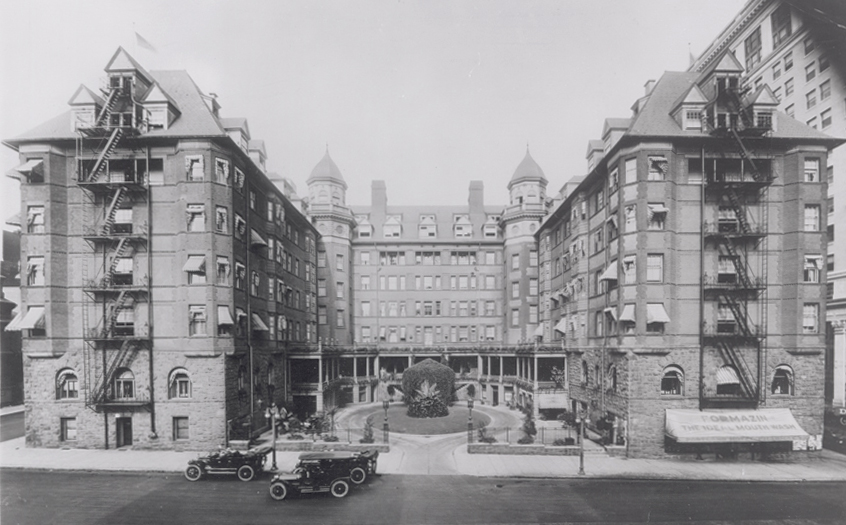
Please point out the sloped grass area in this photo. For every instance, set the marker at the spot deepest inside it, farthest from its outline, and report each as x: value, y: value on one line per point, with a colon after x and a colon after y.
x: 399, y: 421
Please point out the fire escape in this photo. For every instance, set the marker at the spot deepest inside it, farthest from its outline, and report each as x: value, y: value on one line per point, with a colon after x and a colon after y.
x: 737, y: 180
x: 114, y: 183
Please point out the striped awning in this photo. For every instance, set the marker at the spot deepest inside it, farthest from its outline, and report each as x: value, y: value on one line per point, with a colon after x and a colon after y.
x: 628, y: 313
x: 561, y: 326
x: 223, y: 316
x: 655, y: 313
x: 538, y: 331
x: 610, y: 273
x: 34, y: 318
x: 256, y: 239
x: 258, y: 324
x: 15, y: 324
x: 727, y: 375
x: 612, y: 312
x: 195, y: 264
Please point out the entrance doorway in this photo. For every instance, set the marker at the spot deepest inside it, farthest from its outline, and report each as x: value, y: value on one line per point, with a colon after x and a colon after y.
x: 123, y: 427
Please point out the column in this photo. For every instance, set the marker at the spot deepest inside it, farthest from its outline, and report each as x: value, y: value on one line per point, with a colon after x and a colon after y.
x: 839, y: 365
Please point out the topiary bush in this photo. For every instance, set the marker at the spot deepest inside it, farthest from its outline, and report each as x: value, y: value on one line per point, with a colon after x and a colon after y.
x: 428, y: 387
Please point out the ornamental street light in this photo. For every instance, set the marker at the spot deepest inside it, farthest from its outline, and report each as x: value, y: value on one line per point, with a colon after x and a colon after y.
x: 582, y: 420
x: 385, y: 405
x: 272, y: 413
x: 469, y: 419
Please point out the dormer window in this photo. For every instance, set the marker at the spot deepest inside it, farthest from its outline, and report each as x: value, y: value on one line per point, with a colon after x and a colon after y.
x: 692, y: 118
x: 462, y: 226
x: 764, y: 119
x: 427, y: 227
x: 392, y: 227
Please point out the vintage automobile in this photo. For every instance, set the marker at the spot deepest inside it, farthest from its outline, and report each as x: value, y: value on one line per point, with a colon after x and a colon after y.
x: 331, y: 472
x: 359, y: 464
x: 227, y: 461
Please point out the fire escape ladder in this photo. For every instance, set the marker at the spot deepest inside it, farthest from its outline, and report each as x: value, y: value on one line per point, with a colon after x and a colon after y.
x: 117, y: 361
x: 746, y: 155
x: 732, y: 356
x: 738, y: 309
x: 739, y: 211
x: 106, y: 112
x: 113, y: 313
x: 100, y: 163
x: 122, y: 246
x: 111, y: 211
x: 739, y: 264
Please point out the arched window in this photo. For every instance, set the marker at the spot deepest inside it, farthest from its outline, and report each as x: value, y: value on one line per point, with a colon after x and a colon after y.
x: 783, y: 380
x: 728, y: 382
x: 179, y: 384
x: 596, y: 378
x: 584, y: 372
x: 124, y: 384
x: 67, y: 384
x: 672, y: 381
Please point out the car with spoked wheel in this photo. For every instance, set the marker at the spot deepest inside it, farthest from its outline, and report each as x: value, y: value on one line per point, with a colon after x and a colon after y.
x: 318, y: 472
x: 246, y: 465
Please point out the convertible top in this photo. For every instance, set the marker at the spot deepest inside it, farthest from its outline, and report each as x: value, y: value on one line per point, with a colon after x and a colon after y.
x: 326, y: 455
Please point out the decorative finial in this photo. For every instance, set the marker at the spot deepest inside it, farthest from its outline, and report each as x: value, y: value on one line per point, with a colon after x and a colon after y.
x: 527, y: 147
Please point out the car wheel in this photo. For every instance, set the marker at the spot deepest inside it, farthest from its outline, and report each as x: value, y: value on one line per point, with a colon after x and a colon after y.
x: 358, y: 475
x: 278, y: 491
x: 339, y: 488
x: 193, y: 473
x: 246, y: 473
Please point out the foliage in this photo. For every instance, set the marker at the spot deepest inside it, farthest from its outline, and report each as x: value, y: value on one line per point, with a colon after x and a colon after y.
x: 438, y: 376
x: 528, y: 429
x: 296, y: 437
x: 484, y: 437
x: 368, y: 433
x: 566, y: 442
x: 526, y: 440
x: 427, y: 402
x: 559, y: 376
x: 329, y: 438
x: 605, y: 423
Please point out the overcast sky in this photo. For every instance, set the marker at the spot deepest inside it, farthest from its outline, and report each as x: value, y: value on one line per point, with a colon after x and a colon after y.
x: 426, y: 95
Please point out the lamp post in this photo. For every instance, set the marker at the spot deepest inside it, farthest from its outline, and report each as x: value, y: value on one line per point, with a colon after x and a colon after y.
x: 272, y: 413
x: 385, y: 405
x: 469, y: 420
x: 582, y: 421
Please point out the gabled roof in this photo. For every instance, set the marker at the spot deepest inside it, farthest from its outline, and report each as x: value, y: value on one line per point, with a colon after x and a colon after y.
x: 615, y: 123
x: 692, y: 96
x: 84, y: 97
x: 122, y: 61
x: 528, y: 170
x: 326, y: 170
x: 463, y: 220
x: 728, y: 63
x: 157, y: 94
x: 235, y: 123
x: 763, y: 96
x: 594, y: 145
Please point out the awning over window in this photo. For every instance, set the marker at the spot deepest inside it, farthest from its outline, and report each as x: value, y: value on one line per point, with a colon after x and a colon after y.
x: 613, y: 220
x: 655, y: 313
x: 612, y: 312
x: 256, y: 240
x: 539, y: 331
x: 561, y: 326
x: 29, y: 165
x: 732, y: 426
x: 727, y: 376
x: 195, y: 264
x: 34, y: 318
x: 610, y: 273
x: 628, y: 313
x: 15, y: 324
x: 258, y: 324
x: 223, y: 316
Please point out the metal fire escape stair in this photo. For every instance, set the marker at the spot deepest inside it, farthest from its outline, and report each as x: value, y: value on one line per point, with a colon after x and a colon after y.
x: 120, y: 251
x: 748, y: 384
x: 122, y: 357
x: 100, y: 163
x: 111, y: 211
x: 106, y: 111
x: 113, y: 313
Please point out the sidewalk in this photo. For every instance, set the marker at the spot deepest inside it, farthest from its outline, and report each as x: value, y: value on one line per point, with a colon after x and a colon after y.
x: 452, y: 459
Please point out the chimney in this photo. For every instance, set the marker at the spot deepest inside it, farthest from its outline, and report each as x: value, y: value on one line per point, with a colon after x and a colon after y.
x: 648, y: 87
x: 476, y: 199
x: 378, y: 198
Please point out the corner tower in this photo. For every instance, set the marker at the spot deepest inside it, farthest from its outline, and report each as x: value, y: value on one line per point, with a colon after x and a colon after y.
x: 520, y: 220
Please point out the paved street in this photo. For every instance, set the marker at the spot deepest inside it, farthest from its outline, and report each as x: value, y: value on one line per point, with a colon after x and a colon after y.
x: 127, y: 498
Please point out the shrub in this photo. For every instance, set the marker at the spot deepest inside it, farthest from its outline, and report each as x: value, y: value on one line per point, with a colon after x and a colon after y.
x: 440, y: 377
x: 368, y: 433
x: 330, y: 438
x: 296, y: 437
x: 526, y: 440
x: 484, y: 437
x: 566, y: 442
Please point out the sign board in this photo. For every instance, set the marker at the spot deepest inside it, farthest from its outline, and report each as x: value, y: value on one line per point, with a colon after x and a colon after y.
x: 733, y: 426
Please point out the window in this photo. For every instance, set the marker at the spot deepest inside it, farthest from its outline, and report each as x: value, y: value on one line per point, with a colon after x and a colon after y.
x: 321, y: 315
x: 339, y: 290
x: 825, y: 90
x: 533, y: 313
x: 782, y: 380
x: 788, y: 87
x: 597, y: 240
x: 672, y: 381
x: 629, y: 269
x: 196, y: 319
x: 811, y: 98
x: 67, y: 385
x: 339, y: 262
x: 658, y: 168
x: 752, y: 46
x: 194, y: 166
x: 599, y: 323
x: 631, y: 218
x: 252, y: 199
x: 585, y: 377
x: 809, y: 45
x: 196, y: 215
x: 790, y: 110
x: 515, y: 290
x: 781, y: 24
x: 788, y: 61
x: 195, y: 267
x: 179, y: 384
x: 654, y: 268
x: 812, y: 170
x: 776, y: 70
x: 221, y: 219
x: 240, y: 227
x: 810, y: 72
x: 810, y: 318
x: 812, y: 217
x: 240, y: 275
x: 490, y: 282
x: 321, y: 287
x: 728, y: 382
x: 68, y: 428
x: 777, y: 93
x: 180, y: 428
x: 35, y: 219
x: 825, y: 118
x: 533, y: 258
x: 515, y: 317
x: 365, y: 282
x: 656, y: 213
x: 692, y: 119
x: 124, y: 386
x: 221, y: 171
x: 533, y: 287
x: 631, y: 170
x: 339, y: 318
x: 812, y: 122
x: 35, y: 271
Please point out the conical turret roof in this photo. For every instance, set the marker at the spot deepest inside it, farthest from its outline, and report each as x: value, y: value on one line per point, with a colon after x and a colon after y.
x: 528, y: 170
x: 327, y: 170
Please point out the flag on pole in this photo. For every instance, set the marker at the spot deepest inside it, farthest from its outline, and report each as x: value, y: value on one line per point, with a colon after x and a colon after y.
x: 142, y: 42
